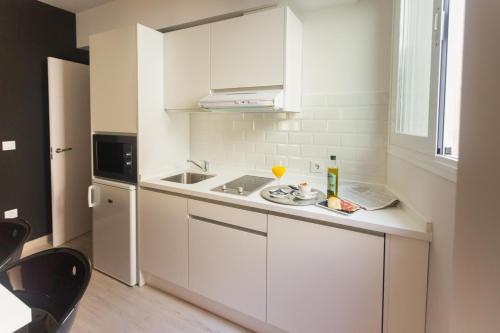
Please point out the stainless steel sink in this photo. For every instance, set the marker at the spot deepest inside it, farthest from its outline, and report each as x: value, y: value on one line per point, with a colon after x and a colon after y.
x: 188, y: 178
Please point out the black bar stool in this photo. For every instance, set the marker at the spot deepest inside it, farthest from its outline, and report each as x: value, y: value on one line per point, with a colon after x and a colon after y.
x: 51, y: 283
x: 13, y: 235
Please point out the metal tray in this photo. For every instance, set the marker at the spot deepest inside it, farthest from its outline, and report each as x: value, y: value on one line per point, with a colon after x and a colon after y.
x: 290, y: 199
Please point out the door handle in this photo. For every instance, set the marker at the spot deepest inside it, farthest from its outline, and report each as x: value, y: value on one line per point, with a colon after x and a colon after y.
x: 59, y: 150
x: 90, y: 194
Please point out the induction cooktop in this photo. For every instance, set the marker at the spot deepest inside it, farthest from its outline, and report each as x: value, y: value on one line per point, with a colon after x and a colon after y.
x: 244, y: 185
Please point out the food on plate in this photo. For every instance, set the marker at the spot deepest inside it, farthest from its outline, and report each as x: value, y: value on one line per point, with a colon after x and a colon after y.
x: 339, y: 204
x: 348, y: 207
x: 334, y: 203
x: 304, y: 188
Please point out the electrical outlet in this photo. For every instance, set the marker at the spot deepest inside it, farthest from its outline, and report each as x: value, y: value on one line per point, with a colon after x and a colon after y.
x: 316, y: 166
x: 10, y: 214
x: 8, y: 145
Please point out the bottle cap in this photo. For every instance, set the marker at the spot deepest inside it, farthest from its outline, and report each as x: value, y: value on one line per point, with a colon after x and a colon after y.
x: 333, y: 158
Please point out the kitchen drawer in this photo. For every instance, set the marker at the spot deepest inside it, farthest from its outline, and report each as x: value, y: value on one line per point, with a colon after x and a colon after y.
x: 235, y: 216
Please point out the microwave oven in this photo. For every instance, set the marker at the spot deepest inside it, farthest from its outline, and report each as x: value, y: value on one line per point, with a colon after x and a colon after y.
x: 115, y: 157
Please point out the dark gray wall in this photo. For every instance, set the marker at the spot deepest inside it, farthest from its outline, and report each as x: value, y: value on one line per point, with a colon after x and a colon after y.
x: 30, y: 31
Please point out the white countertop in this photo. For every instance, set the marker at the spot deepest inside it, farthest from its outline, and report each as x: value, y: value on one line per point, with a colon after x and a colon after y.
x: 14, y: 314
x: 394, y: 220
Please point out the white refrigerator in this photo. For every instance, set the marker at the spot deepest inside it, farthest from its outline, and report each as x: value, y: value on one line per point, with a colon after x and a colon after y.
x: 114, y: 229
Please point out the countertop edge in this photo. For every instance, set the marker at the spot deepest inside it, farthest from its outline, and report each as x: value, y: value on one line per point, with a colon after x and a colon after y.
x: 292, y: 212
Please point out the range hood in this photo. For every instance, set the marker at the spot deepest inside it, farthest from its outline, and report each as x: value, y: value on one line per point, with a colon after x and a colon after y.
x: 244, y: 101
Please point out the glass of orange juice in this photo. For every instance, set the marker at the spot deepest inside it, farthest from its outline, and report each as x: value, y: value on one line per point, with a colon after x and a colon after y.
x: 278, y: 171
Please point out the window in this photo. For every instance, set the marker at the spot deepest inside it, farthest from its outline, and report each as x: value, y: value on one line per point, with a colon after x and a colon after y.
x: 427, y: 76
x: 451, y: 79
x: 414, y: 74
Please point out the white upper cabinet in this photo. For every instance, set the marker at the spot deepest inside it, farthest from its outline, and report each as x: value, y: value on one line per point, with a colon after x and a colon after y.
x: 248, y: 51
x: 126, y: 67
x: 113, y: 81
x: 256, y: 50
x: 187, y: 67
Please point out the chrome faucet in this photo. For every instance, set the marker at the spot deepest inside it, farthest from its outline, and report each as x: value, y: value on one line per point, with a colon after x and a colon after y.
x: 205, y: 166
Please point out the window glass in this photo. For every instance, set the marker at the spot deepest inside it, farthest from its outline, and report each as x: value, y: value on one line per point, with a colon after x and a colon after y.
x: 414, y: 67
x: 451, y: 77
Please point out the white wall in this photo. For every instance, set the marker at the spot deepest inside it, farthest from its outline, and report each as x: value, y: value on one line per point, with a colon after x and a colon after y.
x: 433, y: 197
x: 345, y: 83
x: 156, y: 14
x: 477, y: 231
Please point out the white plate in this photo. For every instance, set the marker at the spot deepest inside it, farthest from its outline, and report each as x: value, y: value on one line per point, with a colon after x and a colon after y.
x: 309, y: 196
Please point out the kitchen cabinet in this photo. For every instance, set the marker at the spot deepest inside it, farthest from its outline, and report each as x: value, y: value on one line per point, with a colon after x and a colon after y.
x: 267, y: 271
x: 247, y: 51
x: 228, y: 265
x: 186, y: 67
x: 163, y: 236
x: 113, y: 81
x: 259, y: 49
x: 323, y: 278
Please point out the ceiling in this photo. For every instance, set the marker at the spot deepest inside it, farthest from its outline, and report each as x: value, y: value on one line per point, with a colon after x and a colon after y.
x: 311, y: 5
x: 75, y: 6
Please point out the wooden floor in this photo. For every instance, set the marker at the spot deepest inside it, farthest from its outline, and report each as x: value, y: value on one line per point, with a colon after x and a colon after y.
x: 112, y: 307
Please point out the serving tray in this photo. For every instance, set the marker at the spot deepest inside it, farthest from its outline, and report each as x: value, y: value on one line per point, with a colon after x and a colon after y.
x: 290, y: 199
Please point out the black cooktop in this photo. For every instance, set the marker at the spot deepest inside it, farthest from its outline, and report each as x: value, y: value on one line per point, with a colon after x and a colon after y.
x: 244, y: 185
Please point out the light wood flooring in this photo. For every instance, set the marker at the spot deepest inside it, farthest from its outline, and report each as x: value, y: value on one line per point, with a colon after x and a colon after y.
x: 112, y: 307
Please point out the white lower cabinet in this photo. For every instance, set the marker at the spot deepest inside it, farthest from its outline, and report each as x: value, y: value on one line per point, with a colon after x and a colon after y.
x: 323, y: 279
x: 228, y: 265
x: 163, y: 236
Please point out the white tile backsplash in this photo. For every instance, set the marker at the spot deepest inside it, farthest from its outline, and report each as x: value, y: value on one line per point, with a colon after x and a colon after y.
x: 352, y: 126
x: 314, y: 125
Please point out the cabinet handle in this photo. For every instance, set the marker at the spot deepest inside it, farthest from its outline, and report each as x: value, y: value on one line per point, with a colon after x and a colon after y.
x: 90, y: 195
x: 226, y: 225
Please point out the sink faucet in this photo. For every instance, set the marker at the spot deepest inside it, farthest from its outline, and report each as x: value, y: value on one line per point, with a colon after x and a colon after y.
x: 205, y: 166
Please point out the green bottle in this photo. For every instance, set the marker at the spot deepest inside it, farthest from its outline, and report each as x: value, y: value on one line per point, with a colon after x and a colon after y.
x: 333, y: 178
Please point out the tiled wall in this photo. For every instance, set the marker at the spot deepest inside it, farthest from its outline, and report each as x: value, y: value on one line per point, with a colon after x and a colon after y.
x: 350, y: 126
x: 345, y: 79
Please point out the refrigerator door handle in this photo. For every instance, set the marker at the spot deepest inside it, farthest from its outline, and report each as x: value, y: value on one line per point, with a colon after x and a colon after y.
x: 90, y: 195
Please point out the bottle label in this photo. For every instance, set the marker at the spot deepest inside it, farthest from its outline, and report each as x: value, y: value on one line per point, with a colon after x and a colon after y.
x: 332, y: 183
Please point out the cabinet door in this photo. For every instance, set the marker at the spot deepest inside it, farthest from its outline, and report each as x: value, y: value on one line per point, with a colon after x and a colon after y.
x: 187, y: 67
x: 113, y: 81
x: 228, y: 265
x: 163, y: 236
x: 323, y: 279
x: 248, y: 51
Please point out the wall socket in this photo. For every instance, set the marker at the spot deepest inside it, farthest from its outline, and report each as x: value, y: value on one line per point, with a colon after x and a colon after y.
x: 316, y: 166
x: 8, y: 145
x: 10, y: 214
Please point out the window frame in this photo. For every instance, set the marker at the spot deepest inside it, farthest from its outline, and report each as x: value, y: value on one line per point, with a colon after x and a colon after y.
x: 421, y: 151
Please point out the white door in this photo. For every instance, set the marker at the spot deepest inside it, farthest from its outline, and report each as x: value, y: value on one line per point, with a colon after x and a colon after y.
x: 69, y: 118
x: 114, y: 230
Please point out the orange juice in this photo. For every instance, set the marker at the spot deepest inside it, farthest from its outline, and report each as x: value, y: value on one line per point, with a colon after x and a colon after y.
x: 278, y: 170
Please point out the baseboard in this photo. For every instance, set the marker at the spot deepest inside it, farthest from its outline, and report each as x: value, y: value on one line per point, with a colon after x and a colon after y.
x: 218, y: 309
x: 38, y: 242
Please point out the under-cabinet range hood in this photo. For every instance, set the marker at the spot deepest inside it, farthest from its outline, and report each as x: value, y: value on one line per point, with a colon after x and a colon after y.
x: 244, y: 101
